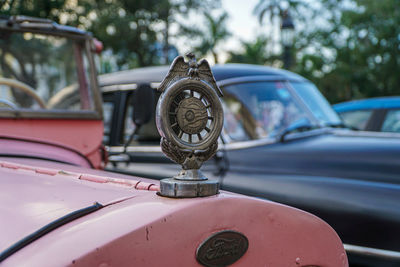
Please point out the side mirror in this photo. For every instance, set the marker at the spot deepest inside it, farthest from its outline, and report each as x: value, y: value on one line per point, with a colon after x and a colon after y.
x: 143, y: 108
x: 143, y: 104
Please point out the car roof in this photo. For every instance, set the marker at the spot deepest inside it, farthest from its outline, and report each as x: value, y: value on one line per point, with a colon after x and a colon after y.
x: 27, y: 23
x: 370, y: 103
x: 221, y: 72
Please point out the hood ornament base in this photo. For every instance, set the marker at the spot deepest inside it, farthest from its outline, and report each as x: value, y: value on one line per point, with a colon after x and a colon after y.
x: 189, y: 119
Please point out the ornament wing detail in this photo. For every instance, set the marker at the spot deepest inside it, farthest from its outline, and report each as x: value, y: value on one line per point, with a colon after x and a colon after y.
x: 205, y: 73
x: 179, y: 69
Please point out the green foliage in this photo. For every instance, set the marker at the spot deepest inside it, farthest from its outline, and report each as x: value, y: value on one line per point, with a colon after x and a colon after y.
x: 254, y: 53
x: 134, y: 30
x: 361, y: 57
x: 43, y: 9
x: 125, y: 29
x: 349, y: 48
x: 270, y: 11
x: 210, y: 36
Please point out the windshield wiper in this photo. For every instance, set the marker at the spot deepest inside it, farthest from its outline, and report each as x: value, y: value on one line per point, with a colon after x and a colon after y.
x: 340, y: 125
x: 297, y: 128
x: 335, y: 125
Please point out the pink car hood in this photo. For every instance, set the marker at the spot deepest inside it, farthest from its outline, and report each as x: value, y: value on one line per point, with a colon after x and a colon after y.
x: 42, y: 195
x: 136, y: 227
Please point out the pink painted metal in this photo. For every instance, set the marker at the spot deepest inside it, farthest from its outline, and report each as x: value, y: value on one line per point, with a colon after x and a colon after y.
x: 45, y: 194
x: 139, y: 228
x: 82, y: 136
x: 40, y: 150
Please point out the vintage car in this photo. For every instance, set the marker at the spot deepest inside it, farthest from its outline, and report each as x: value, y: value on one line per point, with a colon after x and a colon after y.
x: 281, y: 141
x: 380, y: 114
x: 58, y: 208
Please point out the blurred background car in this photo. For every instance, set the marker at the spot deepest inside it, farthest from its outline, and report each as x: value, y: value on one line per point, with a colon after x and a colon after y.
x: 380, y: 114
x: 281, y: 141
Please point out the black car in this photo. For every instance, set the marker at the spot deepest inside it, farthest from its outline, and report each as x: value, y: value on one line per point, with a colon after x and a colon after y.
x: 281, y: 141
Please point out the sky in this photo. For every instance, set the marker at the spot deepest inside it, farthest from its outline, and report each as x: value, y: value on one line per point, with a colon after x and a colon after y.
x: 242, y: 23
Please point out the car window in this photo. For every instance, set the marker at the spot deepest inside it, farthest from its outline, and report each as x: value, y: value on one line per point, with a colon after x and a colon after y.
x: 259, y: 109
x: 108, y: 109
x: 357, y: 119
x: 147, y: 134
x: 316, y: 102
x: 53, y: 75
x: 391, y: 122
x: 235, y: 117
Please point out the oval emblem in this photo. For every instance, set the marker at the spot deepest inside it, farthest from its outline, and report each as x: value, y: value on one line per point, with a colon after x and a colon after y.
x: 192, y: 115
x: 222, y: 248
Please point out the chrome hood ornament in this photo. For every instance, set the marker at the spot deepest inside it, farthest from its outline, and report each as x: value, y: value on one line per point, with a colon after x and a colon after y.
x: 189, y: 119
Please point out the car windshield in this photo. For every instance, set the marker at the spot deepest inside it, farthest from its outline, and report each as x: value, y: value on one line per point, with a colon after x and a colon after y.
x: 257, y: 110
x: 41, y: 72
x: 318, y: 104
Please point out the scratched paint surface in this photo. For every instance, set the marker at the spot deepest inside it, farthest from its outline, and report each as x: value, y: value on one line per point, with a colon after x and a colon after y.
x: 145, y: 229
x: 32, y: 197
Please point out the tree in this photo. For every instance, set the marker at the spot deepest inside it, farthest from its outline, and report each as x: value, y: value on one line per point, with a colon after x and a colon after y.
x: 123, y: 28
x: 132, y: 29
x: 169, y: 12
x: 272, y: 13
x: 209, y: 37
x: 42, y: 9
x: 358, y: 55
x: 253, y: 53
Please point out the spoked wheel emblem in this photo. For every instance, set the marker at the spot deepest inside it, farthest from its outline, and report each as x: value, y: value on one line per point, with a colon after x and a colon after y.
x: 191, y: 116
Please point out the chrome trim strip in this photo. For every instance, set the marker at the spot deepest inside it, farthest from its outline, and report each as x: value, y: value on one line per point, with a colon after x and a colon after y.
x: 139, y: 149
x: 118, y: 87
x: 155, y: 85
x: 258, y: 78
x: 125, y: 87
x: 389, y: 254
x: 157, y: 149
x: 247, y: 144
x: 350, y: 133
x: 227, y: 146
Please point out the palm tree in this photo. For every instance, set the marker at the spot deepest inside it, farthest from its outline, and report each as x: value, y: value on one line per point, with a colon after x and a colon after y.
x: 210, y: 36
x: 274, y: 13
x: 253, y: 52
x: 274, y: 10
x: 271, y: 8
